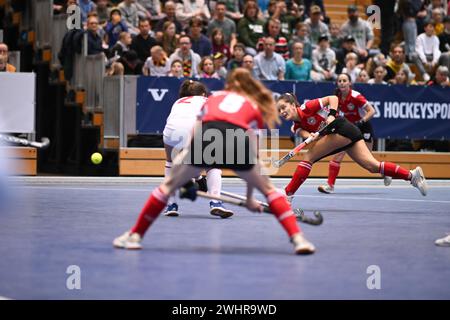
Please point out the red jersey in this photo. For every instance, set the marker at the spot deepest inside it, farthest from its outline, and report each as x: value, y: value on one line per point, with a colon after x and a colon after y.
x: 312, y: 115
x: 351, y: 106
x: 233, y: 108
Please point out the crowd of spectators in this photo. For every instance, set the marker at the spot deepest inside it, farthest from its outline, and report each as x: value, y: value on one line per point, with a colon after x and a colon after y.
x: 276, y: 40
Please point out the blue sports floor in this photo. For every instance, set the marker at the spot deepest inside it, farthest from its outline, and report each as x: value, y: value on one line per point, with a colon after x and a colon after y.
x: 53, y: 223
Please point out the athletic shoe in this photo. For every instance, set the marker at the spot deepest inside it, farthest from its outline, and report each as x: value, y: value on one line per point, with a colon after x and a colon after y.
x: 301, y: 245
x: 130, y: 241
x: 172, y: 210
x: 288, y: 198
x: 387, y: 181
x: 418, y: 180
x: 217, y: 209
x: 326, y: 189
x: 443, y: 242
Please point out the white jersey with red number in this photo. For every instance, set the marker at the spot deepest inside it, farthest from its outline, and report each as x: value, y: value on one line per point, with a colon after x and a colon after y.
x: 181, y: 120
x: 233, y: 108
x: 352, y: 106
x: 313, y: 115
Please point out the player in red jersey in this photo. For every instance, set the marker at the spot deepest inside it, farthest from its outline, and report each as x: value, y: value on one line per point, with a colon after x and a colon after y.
x: 228, y: 115
x: 353, y: 106
x: 340, y: 135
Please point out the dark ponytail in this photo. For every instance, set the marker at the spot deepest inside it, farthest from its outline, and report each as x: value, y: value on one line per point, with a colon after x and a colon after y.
x: 192, y: 88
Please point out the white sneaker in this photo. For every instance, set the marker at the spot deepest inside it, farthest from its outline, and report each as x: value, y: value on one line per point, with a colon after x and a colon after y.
x: 443, y: 242
x: 130, y: 241
x: 387, y: 181
x: 326, y: 189
x: 418, y: 180
x: 301, y: 245
x: 283, y: 192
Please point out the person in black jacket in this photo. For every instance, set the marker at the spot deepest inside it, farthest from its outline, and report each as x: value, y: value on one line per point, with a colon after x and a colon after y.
x: 143, y: 42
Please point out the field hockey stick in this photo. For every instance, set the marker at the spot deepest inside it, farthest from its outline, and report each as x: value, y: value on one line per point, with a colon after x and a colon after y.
x: 297, y: 149
x: 11, y: 139
x: 299, y: 213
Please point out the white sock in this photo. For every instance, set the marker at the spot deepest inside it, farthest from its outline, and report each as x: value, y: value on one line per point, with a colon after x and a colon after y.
x: 167, y: 170
x: 214, y: 181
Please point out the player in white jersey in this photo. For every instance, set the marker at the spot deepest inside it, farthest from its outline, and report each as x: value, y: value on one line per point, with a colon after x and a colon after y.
x: 177, y: 136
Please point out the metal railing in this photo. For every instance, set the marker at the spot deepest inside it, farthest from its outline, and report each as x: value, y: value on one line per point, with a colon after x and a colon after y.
x: 112, y: 102
x: 43, y: 23
x: 58, y: 32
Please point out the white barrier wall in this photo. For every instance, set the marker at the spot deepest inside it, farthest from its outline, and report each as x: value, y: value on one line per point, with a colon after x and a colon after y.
x: 17, y: 102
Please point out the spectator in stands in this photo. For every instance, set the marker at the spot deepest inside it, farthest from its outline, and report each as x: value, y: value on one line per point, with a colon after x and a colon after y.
x: 131, y: 63
x: 116, y: 69
x: 250, y: 28
x: 363, y: 77
x: 440, y: 78
x: 157, y: 64
x: 220, y: 21
x: 130, y: 13
x: 95, y: 44
x: 401, y: 77
x: 153, y: 8
x: 249, y: 64
x: 114, y: 27
x: 301, y: 35
x: 281, y: 43
x: 176, y: 69
x: 233, y: 8
x: 309, y: 4
x: 396, y: 62
x: 269, y: 65
x: 427, y: 48
x: 378, y: 76
x: 188, y: 9
x: 438, y: 18
x: 169, y: 38
x: 361, y: 32
x: 315, y: 25
x: 287, y: 21
x: 188, y: 57
x: 298, y: 68
x: 351, y: 68
x: 218, y: 43
x: 335, y: 37
x: 378, y: 60
x: 324, y: 61
x: 408, y: 11
x: 143, y: 42
x: 86, y: 7
x: 200, y: 43
x: 219, y: 62
x: 169, y: 10
x: 238, y: 56
x: 444, y: 44
x: 121, y: 46
x: 388, y: 19
x: 4, y: 65
x: 206, y: 68
x: 103, y: 12
x: 348, y: 45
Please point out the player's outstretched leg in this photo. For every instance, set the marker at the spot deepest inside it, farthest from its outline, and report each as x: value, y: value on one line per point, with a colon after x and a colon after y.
x: 172, y: 207
x: 361, y: 155
x: 280, y: 208
x: 333, y: 171
x: 155, y: 204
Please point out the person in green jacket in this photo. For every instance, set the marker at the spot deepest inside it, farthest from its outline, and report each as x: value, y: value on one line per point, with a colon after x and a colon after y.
x: 250, y: 28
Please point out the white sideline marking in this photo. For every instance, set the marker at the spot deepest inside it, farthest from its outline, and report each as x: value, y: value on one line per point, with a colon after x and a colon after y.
x: 4, y: 298
x: 370, y: 198
x: 310, y: 196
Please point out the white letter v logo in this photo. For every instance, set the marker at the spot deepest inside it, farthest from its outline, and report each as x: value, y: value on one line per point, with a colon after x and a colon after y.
x: 156, y: 95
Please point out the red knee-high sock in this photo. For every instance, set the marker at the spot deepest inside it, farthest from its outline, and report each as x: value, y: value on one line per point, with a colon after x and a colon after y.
x: 392, y: 170
x: 281, y: 208
x: 300, y: 175
x: 333, y: 172
x: 151, y: 210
